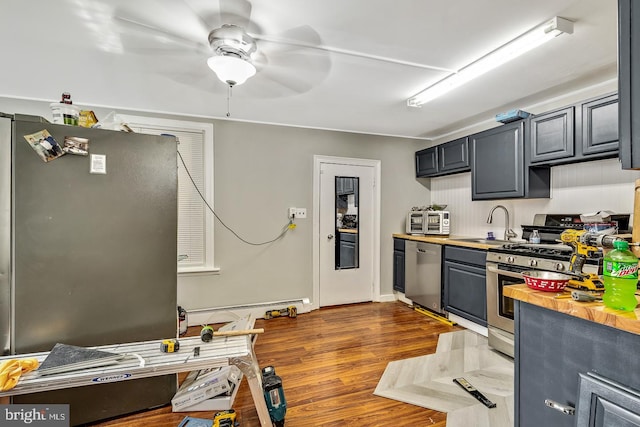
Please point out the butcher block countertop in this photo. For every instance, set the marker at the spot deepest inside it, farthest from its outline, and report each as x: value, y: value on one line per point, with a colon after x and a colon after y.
x: 348, y: 230
x: 450, y: 240
x: 593, y: 311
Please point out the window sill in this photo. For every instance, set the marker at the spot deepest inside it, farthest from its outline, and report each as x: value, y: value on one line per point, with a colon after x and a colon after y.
x: 198, y: 271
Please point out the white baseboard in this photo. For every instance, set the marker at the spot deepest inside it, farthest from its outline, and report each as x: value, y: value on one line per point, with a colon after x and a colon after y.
x: 387, y: 298
x: 401, y: 297
x: 206, y: 316
x: 482, y: 330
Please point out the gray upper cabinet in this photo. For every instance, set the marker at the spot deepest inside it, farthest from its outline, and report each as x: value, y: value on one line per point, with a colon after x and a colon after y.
x: 551, y: 135
x: 498, y: 165
x: 599, y: 131
x: 427, y: 162
x: 444, y: 159
x: 345, y: 186
x: 453, y: 156
x: 578, y: 133
x: 629, y: 82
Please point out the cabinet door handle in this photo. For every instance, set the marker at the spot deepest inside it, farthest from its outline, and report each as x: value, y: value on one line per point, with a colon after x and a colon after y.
x: 567, y: 410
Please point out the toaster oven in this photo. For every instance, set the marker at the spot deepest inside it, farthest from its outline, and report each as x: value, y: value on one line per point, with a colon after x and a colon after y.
x: 428, y: 222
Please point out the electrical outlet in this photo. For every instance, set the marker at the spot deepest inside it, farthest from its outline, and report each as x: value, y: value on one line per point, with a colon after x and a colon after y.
x: 291, y: 212
x: 301, y: 212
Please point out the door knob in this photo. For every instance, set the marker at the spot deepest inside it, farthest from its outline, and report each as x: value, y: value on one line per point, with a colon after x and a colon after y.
x: 330, y: 236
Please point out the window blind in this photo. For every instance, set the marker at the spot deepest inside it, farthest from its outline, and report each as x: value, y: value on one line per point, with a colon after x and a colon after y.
x: 191, y: 208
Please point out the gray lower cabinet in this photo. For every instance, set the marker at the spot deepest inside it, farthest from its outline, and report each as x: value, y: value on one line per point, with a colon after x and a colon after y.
x: 464, y: 283
x: 603, y: 403
x: 629, y: 82
x: 398, y: 264
x: 499, y: 165
x: 347, y: 255
x: 566, y: 362
x: 444, y: 159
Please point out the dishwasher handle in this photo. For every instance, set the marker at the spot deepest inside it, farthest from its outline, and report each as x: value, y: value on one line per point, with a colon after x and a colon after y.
x: 427, y: 249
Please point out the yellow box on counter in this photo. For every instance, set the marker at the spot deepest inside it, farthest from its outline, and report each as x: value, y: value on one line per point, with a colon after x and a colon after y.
x: 87, y: 118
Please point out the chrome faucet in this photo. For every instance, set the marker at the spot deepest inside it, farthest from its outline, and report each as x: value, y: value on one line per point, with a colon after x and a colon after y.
x: 508, y: 233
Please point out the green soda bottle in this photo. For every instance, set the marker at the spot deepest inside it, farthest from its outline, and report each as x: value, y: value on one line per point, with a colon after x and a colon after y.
x: 620, y: 277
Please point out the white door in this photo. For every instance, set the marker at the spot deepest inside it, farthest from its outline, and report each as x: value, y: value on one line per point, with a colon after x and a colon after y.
x: 346, y: 233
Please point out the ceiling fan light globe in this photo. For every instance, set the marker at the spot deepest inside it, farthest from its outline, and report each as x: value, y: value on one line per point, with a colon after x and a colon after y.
x: 231, y: 70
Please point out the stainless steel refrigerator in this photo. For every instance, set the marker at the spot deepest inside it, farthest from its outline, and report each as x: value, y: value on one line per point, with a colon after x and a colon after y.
x: 88, y: 252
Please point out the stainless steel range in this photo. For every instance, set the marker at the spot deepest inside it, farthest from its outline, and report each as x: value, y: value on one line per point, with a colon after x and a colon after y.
x: 506, y: 263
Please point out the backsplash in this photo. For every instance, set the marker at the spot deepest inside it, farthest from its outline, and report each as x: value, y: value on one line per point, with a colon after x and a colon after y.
x: 576, y: 188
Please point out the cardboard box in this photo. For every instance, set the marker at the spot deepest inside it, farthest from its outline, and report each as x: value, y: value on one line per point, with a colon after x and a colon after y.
x: 213, y: 389
x: 218, y: 403
x: 201, y: 385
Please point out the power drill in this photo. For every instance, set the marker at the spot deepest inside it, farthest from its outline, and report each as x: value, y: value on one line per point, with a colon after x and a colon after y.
x: 290, y: 311
x: 225, y: 418
x: 585, y: 245
x: 274, y: 396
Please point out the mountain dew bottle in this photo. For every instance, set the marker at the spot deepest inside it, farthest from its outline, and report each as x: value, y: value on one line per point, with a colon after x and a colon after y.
x: 620, y: 277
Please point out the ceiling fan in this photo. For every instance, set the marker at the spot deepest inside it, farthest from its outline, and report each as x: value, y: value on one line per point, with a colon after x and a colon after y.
x: 232, y: 44
x: 232, y: 48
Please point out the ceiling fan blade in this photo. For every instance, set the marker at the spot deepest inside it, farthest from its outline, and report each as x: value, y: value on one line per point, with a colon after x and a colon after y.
x: 237, y: 12
x: 171, y: 22
x: 234, y: 12
x: 188, y: 71
x: 139, y: 35
x: 289, y: 63
x: 301, y: 37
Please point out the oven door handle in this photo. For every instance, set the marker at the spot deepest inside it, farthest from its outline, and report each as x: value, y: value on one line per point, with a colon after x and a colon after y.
x: 496, y: 270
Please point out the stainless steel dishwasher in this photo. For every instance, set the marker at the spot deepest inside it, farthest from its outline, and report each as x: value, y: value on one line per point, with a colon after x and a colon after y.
x: 423, y: 267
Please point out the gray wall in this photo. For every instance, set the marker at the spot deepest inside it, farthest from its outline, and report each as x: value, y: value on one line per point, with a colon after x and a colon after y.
x: 260, y: 171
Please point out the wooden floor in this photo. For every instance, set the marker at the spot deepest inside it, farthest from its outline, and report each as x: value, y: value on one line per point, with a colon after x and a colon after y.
x: 330, y: 361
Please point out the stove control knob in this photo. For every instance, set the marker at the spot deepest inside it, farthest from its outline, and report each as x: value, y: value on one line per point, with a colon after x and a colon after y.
x: 559, y: 266
x: 511, y: 259
x: 533, y: 263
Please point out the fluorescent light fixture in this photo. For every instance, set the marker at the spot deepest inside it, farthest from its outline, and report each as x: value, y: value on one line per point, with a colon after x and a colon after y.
x: 232, y: 70
x: 503, y: 54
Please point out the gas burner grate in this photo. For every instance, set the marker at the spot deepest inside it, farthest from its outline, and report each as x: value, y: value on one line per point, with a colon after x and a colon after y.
x: 538, y: 249
x: 558, y: 252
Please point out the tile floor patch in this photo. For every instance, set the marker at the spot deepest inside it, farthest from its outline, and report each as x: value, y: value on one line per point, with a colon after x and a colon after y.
x: 427, y: 381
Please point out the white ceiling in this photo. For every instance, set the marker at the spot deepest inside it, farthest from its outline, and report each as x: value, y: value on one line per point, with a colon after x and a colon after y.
x: 85, y: 48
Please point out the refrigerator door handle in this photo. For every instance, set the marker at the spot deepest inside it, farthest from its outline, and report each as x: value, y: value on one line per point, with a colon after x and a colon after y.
x: 5, y: 236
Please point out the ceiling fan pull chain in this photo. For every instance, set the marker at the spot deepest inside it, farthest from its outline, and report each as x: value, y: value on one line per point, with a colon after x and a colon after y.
x: 228, y: 100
